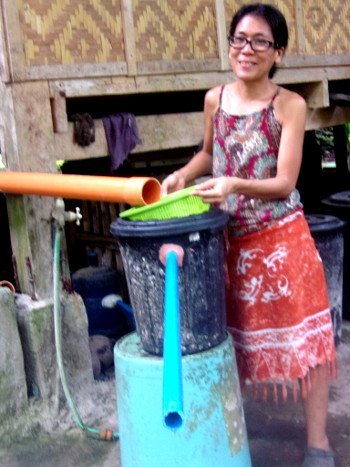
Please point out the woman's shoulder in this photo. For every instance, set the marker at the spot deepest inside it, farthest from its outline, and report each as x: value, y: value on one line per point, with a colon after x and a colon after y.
x: 290, y: 98
x: 213, y: 94
x: 289, y: 104
x: 212, y: 99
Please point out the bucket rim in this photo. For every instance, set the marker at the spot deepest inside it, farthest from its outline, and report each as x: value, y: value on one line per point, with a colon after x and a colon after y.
x: 213, y: 220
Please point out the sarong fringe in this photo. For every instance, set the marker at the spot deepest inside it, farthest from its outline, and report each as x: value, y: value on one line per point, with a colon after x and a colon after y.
x: 280, y: 390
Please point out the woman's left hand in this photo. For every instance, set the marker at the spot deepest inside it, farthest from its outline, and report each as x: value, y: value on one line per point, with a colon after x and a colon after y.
x: 216, y: 189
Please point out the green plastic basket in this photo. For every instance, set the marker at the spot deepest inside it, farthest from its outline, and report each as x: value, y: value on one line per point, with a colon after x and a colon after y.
x: 178, y: 204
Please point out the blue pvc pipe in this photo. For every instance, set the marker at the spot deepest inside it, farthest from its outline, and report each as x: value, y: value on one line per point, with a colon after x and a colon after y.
x: 172, y: 371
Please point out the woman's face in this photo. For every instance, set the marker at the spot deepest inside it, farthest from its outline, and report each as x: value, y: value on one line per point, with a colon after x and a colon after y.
x: 247, y: 64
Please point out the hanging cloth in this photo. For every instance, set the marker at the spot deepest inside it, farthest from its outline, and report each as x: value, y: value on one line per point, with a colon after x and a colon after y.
x: 122, y: 136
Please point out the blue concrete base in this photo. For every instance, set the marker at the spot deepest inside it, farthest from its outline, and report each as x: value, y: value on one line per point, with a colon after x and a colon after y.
x: 213, y: 433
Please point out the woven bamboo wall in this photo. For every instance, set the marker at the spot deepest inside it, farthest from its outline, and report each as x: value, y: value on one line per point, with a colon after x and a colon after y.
x: 175, y: 30
x: 70, y: 32
x: 326, y: 26
x: 138, y: 32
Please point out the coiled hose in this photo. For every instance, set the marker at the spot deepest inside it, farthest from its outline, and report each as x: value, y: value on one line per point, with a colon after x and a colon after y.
x: 103, y: 434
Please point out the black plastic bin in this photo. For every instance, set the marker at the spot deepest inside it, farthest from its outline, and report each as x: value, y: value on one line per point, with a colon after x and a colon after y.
x: 328, y: 234
x: 338, y: 205
x: 201, y: 278
x: 93, y: 283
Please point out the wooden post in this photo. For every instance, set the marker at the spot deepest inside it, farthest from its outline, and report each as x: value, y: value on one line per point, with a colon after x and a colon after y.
x: 299, y: 31
x: 129, y: 37
x: 13, y: 39
x: 222, y: 34
x: 30, y: 148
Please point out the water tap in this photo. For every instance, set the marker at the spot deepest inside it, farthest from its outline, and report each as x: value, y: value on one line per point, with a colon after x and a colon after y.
x: 62, y: 216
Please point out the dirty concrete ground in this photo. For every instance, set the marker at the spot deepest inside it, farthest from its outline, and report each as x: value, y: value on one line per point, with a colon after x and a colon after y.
x: 276, y: 432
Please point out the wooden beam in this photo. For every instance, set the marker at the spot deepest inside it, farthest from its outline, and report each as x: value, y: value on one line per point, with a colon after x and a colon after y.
x: 164, y: 68
x: 315, y: 94
x: 59, y: 113
x: 157, y: 132
x: 129, y: 36
x: 41, y: 72
x: 300, y: 75
x: 337, y: 73
x: 177, y: 66
x: 170, y: 131
x: 121, y: 85
x: 331, y: 116
x: 309, y: 61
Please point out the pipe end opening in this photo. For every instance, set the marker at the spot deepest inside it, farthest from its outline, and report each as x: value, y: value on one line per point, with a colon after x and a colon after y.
x: 151, y: 191
x: 173, y: 420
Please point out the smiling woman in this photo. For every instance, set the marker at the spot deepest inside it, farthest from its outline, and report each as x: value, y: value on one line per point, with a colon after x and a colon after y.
x: 277, y: 305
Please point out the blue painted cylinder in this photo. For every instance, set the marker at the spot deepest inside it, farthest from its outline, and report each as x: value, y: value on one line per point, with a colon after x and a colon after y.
x: 214, y: 431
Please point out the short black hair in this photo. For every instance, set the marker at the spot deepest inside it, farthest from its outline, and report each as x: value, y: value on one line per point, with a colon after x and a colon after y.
x: 274, y: 19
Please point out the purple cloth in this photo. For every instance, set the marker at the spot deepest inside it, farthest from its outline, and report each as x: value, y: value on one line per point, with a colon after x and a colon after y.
x: 122, y: 136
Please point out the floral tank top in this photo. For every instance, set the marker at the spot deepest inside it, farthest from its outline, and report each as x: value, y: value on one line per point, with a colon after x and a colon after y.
x: 246, y: 146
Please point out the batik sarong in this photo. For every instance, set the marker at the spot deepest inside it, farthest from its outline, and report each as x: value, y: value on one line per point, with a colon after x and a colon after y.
x: 277, y: 304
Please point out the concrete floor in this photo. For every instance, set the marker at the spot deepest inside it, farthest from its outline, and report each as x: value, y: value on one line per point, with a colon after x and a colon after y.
x: 276, y: 433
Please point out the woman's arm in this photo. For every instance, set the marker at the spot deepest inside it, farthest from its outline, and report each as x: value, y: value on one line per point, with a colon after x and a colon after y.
x: 201, y: 163
x: 291, y: 114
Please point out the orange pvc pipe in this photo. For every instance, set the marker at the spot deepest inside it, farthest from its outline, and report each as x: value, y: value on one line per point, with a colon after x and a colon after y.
x: 137, y: 191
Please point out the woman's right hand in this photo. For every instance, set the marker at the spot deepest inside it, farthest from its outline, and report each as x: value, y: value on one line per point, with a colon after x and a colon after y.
x: 173, y: 182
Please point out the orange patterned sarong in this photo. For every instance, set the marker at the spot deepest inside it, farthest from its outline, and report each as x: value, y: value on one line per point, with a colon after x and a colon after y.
x: 278, y: 311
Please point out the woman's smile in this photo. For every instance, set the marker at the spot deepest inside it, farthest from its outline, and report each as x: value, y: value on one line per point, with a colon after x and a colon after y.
x: 246, y: 62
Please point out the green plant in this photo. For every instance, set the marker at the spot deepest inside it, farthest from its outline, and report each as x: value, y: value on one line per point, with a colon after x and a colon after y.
x: 347, y: 130
x: 325, y: 138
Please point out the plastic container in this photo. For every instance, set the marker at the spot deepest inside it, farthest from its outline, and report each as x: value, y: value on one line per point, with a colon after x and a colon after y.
x: 178, y: 204
x: 328, y: 234
x: 93, y: 283
x: 201, y: 278
x: 338, y: 205
x: 213, y: 432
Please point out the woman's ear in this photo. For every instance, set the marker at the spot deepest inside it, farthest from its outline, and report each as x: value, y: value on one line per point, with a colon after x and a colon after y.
x: 279, y: 54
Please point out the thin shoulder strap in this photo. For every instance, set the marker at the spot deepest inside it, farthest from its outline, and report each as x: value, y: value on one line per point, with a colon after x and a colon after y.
x: 276, y: 94
x: 221, y: 92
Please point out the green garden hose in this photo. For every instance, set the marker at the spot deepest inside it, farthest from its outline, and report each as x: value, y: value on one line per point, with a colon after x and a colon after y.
x: 103, y: 434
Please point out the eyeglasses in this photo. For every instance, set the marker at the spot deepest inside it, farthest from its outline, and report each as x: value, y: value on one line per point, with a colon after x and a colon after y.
x: 258, y: 45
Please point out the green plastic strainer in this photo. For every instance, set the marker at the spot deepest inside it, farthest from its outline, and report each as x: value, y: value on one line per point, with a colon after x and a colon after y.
x: 178, y: 204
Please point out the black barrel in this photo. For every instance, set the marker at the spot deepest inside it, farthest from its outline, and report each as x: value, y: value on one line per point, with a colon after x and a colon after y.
x: 328, y: 234
x: 201, y: 278
x: 93, y: 283
x: 338, y: 205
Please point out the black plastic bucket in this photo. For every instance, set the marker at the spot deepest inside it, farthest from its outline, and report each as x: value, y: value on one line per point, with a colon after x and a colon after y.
x: 338, y: 205
x: 201, y: 278
x: 328, y: 234
x: 94, y: 283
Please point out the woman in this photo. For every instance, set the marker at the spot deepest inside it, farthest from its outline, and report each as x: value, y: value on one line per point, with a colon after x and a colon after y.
x: 278, y: 311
